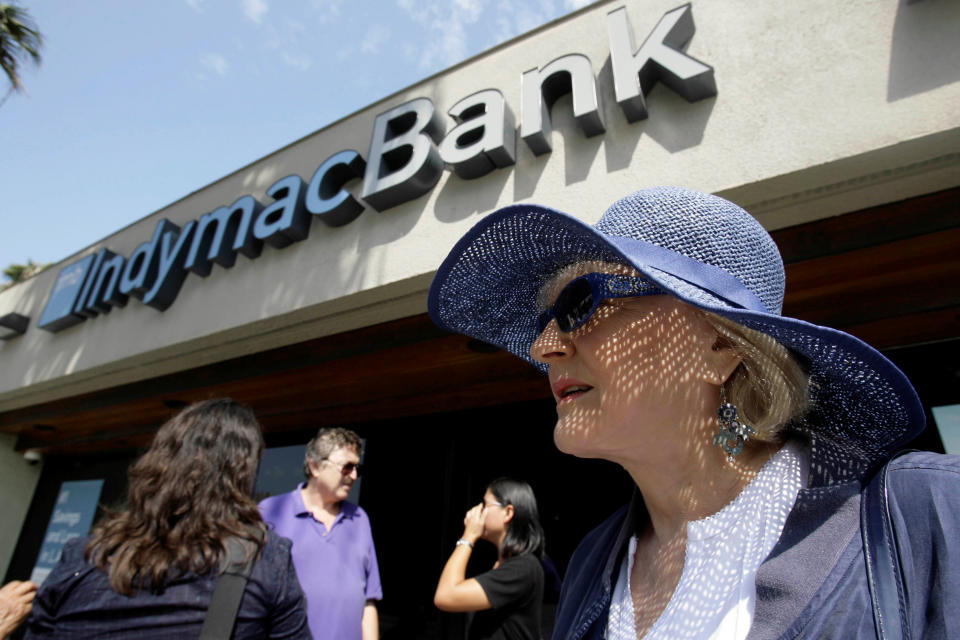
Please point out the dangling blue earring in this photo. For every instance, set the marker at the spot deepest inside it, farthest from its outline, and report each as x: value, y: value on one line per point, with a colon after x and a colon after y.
x: 733, y: 433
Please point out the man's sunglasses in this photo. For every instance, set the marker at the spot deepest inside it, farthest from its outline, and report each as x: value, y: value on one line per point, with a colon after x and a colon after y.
x: 346, y: 469
x: 581, y: 297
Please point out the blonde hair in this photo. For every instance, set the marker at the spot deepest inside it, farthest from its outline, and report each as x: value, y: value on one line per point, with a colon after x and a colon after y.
x: 769, y: 387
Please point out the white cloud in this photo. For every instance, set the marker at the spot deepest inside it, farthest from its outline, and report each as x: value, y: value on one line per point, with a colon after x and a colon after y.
x: 410, y: 51
x: 514, y: 19
x: 446, y: 23
x: 215, y: 62
x: 375, y: 37
x: 327, y: 10
x: 455, y: 29
x: 417, y: 10
x: 254, y: 10
x: 295, y: 26
x: 470, y: 10
x: 283, y: 35
x: 453, y: 44
x: 196, y: 5
x: 297, y: 61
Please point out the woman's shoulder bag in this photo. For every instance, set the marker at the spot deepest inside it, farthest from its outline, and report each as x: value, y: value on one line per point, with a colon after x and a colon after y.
x: 884, y: 572
x: 225, y: 601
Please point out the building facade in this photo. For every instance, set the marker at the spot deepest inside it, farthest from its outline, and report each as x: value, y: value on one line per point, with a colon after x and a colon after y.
x: 297, y: 284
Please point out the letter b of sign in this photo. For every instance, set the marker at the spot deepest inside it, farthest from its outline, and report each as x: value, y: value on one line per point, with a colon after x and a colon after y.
x: 403, y: 162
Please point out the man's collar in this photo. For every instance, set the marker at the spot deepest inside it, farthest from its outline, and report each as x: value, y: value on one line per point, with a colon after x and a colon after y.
x: 347, y: 508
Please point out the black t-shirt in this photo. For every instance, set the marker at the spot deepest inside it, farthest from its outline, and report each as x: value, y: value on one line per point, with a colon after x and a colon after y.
x: 515, y: 589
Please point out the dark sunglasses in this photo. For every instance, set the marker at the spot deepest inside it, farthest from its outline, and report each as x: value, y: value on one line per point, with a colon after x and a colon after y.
x: 581, y: 297
x: 346, y: 469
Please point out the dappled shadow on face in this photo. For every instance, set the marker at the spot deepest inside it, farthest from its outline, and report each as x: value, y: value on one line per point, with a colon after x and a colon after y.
x: 639, y: 384
x: 648, y: 386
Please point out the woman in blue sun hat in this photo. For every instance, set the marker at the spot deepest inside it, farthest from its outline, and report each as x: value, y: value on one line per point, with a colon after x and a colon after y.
x: 751, y: 437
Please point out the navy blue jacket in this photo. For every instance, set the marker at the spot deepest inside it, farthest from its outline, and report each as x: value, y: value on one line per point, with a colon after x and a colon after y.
x: 814, y: 583
x: 76, y: 601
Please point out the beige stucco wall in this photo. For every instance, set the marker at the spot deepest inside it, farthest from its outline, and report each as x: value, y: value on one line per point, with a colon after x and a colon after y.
x: 822, y: 108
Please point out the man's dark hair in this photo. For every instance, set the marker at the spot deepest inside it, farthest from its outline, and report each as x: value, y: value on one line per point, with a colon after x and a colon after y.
x: 326, y: 442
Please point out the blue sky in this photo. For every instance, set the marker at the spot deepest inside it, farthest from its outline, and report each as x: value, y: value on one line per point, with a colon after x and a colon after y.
x: 137, y: 103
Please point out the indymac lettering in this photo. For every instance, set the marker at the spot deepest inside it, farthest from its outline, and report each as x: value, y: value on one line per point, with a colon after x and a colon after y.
x: 409, y: 150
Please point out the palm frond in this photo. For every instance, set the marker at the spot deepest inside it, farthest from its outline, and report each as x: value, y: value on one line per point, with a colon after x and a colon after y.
x: 20, y: 42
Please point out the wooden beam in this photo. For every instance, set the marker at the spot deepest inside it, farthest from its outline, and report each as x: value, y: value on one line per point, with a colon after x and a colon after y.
x: 870, y: 227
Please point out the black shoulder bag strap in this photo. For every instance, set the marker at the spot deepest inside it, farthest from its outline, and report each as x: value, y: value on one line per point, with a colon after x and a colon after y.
x: 884, y: 576
x: 225, y: 601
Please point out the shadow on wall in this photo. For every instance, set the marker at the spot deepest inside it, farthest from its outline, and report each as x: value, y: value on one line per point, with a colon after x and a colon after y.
x: 925, y: 49
x: 458, y: 199
x: 674, y: 123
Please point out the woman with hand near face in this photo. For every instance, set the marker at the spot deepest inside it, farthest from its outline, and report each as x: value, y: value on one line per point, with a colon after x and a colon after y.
x: 749, y: 436
x: 505, y: 601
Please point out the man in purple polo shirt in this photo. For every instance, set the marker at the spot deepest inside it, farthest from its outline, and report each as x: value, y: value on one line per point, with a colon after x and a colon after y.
x: 332, y: 544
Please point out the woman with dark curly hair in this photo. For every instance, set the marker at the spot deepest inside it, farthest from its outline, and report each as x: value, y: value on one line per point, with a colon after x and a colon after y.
x: 149, y: 570
x: 505, y: 602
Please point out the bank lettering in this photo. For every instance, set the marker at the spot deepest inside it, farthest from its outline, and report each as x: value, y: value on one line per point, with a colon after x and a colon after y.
x: 409, y: 150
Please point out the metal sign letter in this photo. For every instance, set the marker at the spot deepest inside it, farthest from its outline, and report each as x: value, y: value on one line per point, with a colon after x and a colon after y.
x: 660, y: 58
x: 403, y: 162
x: 485, y: 137
x: 541, y: 88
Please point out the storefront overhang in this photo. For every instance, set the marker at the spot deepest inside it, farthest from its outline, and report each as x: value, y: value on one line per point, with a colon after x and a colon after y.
x: 882, y: 273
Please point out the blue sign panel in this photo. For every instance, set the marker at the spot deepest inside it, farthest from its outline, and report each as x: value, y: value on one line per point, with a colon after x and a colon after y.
x: 72, y: 517
x: 59, y: 312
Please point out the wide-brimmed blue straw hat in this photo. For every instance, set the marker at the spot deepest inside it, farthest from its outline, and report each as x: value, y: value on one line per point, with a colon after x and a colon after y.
x: 703, y: 250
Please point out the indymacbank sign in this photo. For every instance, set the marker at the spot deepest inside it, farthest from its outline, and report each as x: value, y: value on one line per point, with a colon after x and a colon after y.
x: 408, y: 152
